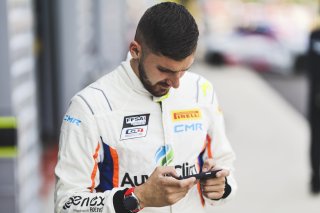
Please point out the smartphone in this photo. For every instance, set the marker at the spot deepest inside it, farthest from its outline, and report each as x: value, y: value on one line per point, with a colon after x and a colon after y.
x: 202, y: 175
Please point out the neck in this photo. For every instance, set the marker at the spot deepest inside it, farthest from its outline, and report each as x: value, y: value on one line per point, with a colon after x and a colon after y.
x: 134, y: 66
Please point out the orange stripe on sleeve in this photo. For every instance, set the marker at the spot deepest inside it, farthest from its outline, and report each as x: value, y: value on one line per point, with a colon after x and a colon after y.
x: 209, y: 147
x: 95, y: 168
x: 204, y: 145
x: 115, y: 178
x: 200, y: 193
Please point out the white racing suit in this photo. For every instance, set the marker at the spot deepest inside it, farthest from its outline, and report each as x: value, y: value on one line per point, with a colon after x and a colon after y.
x: 115, y: 134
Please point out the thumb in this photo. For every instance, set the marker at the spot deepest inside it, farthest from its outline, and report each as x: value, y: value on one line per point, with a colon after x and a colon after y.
x: 208, y: 165
x: 169, y: 171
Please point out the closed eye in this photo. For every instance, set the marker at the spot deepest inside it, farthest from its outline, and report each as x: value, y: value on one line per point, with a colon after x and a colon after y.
x: 165, y: 70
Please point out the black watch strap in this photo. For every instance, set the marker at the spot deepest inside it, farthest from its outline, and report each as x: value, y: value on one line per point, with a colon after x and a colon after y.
x: 118, y: 202
x: 130, y: 201
x: 227, y: 190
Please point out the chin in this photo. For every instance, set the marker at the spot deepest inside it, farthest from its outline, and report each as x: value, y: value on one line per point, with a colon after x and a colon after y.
x: 160, y: 93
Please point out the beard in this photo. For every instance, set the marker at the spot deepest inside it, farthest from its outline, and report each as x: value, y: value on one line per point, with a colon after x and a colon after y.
x: 158, y: 89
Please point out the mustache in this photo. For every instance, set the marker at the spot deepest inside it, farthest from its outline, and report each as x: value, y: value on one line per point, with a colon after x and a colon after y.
x: 163, y: 83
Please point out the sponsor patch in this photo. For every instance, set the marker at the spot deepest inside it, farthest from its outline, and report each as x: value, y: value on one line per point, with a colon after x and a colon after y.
x: 72, y: 120
x: 132, y: 181
x: 186, y: 169
x: 205, y: 87
x: 95, y: 203
x: 182, y: 170
x: 183, y: 115
x: 134, y: 126
x: 164, y: 155
x: 193, y: 127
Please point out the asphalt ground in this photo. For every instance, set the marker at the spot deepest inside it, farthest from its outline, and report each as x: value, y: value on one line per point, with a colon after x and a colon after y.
x: 271, y: 140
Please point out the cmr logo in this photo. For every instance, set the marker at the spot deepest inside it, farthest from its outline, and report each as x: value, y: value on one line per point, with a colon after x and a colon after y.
x: 179, y: 128
x: 183, y: 115
x: 72, y: 120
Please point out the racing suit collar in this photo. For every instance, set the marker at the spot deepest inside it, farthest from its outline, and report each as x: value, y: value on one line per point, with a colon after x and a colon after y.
x: 162, y: 98
x: 138, y: 86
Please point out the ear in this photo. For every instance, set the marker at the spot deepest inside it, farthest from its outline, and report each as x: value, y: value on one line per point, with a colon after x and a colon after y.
x: 135, y: 50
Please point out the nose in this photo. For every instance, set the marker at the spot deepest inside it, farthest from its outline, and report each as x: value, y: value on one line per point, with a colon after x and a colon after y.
x: 174, y: 80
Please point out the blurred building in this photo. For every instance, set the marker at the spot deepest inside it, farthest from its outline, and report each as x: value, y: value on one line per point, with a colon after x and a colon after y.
x: 277, y: 32
x: 49, y: 50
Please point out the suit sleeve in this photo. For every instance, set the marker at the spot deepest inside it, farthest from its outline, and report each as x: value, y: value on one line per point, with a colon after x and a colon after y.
x: 77, y: 172
x: 218, y: 146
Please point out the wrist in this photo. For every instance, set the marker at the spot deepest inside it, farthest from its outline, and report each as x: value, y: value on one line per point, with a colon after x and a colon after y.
x: 139, y: 194
x: 130, y: 201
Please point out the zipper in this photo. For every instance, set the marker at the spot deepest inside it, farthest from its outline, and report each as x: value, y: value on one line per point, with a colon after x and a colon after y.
x: 165, y: 138
x: 164, y: 132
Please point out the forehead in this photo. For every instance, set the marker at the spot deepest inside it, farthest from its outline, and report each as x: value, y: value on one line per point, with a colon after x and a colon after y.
x: 168, y: 63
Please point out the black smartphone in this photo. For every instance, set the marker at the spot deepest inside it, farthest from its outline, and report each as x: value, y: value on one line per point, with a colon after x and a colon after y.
x: 202, y: 175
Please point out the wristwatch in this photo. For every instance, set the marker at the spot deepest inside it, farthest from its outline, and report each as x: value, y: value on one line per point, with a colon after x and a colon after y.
x: 130, y: 201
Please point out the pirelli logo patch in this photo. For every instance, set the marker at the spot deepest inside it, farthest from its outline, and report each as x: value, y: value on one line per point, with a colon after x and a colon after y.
x: 134, y: 126
x: 186, y: 115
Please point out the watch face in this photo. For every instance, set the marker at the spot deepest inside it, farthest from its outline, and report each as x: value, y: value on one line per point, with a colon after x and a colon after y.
x: 130, y: 203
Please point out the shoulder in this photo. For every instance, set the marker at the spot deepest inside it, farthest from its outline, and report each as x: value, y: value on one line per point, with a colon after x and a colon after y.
x: 199, y: 86
x: 94, y: 98
x: 194, y: 79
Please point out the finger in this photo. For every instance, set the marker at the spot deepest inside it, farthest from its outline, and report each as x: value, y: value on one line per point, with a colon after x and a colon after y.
x: 184, y: 184
x: 168, y: 171
x: 213, y: 181
x: 223, y: 173
x: 189, y: 182
x: 213, y: 195
x: 208, y: 165
x: 215, y: 188
x: 175, y: 197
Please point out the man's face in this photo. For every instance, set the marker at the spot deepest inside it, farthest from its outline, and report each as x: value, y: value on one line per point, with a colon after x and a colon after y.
x: 159, y: 73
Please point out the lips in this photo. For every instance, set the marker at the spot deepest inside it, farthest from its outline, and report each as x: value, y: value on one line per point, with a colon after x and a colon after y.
x: 164, y: 85
x: 164, y: 90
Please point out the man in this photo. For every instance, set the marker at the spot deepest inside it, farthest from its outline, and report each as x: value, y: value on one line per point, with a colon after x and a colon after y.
x: 314, y: 108
x: 129, y: 140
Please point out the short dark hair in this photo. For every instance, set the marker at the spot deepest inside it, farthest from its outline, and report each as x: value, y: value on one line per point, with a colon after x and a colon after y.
x: 168, y: 29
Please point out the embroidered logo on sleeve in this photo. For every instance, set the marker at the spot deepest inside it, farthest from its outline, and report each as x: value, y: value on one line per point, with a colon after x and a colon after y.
x: 134, y: 126
x: 72, y: 120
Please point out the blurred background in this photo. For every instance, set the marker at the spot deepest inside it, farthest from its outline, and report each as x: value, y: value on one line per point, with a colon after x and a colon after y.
x: 254, y: 52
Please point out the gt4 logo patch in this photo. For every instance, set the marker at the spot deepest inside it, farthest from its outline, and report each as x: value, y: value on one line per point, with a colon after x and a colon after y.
x: 134, y: 126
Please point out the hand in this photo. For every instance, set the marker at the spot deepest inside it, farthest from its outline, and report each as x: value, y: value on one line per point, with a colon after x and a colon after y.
x: 162, y: 188
x: 213, y: 188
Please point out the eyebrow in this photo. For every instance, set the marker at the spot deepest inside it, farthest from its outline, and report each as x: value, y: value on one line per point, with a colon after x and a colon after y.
x: 169, y: 70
